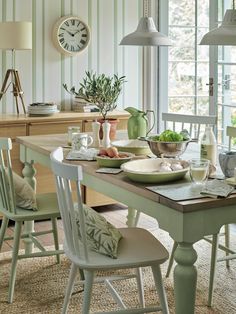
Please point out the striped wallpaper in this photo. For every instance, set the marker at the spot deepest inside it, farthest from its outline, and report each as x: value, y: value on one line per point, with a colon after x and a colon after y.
x: 43, y: 70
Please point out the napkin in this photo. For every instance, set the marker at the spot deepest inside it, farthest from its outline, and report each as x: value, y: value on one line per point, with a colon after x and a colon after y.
x: 217, y: 188
x: 82, y: 154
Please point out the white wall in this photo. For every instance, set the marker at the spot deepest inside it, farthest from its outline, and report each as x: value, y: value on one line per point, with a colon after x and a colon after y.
x: 43, y: 70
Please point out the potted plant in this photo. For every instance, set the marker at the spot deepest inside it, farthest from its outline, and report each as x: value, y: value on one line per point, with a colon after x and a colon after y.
x: 100, y: 90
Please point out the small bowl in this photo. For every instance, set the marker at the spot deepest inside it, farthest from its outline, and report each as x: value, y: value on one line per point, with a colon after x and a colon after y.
x: 105, y: 161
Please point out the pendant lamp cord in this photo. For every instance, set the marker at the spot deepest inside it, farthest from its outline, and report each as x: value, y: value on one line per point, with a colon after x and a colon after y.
x: 233, y: 4
x: 145, y: 8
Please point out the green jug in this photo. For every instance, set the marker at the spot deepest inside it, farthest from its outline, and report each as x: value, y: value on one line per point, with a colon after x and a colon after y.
x: 138, y: 123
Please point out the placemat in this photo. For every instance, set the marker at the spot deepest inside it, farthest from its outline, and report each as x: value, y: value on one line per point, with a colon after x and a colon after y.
x: 178, y: 192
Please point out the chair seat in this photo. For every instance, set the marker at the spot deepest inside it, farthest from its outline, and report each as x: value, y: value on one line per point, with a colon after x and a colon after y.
x: 47, y: 208
x: 137, y: 248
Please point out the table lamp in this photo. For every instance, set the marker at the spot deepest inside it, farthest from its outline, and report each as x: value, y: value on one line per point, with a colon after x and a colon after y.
x: 15, y: 36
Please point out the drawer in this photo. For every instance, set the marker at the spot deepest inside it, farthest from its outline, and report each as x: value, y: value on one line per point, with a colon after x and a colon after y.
x: 13, y: 130
x: 52, y: 127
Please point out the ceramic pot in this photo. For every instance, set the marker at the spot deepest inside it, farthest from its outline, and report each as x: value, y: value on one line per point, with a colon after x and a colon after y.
x: 113, y: 123
x: 228, y: 163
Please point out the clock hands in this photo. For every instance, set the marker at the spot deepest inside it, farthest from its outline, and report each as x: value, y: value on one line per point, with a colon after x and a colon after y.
x: 71, y: 34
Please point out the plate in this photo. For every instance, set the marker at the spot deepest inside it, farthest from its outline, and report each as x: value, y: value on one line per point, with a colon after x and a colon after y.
x: 146, y: 171
x: 42, y: 113
x: 105, y: 161
x: 135, y: 146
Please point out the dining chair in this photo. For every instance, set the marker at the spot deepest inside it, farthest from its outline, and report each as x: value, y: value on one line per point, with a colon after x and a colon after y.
x: 137, y: 248
x: 16, y: 193
x: 192, y: 123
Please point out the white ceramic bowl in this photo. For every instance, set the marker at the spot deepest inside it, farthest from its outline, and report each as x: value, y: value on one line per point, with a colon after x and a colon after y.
x: 147, y: 170
x: 135, y: 146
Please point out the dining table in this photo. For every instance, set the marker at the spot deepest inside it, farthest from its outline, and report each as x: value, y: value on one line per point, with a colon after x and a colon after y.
x: 187, y: 221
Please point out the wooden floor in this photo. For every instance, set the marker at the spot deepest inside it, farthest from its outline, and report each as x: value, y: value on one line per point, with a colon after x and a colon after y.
x: 115, y: 214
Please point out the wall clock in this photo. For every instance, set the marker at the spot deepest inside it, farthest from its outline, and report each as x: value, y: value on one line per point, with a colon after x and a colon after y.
x: 70, y: 35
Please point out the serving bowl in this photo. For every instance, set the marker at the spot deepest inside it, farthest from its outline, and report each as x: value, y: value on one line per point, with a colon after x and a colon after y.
x: 147, y: 170
x: 133, y: 146
x: 167, y: 149
x: 106, y: 161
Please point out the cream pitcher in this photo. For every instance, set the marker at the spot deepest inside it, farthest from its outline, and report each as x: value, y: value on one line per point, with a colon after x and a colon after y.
x: 138, y: 123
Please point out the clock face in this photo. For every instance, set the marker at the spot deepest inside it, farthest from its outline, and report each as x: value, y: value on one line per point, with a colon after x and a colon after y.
x: 71, y: 35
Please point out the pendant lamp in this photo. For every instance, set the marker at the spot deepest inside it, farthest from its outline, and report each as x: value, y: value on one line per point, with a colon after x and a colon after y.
x: 146, y: 33
x: 225, y: 34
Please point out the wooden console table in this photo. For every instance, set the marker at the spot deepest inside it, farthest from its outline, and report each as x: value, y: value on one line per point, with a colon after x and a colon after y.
x: 12, y: 125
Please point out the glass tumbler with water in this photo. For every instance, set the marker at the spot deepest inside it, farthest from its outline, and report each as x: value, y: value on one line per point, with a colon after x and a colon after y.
x: 199, y: 170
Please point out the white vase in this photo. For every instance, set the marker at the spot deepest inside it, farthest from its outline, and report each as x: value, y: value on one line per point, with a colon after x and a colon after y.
x: 106, y: 126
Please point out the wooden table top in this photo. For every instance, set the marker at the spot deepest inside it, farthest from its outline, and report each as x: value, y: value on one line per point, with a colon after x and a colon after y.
x: 45, y: 144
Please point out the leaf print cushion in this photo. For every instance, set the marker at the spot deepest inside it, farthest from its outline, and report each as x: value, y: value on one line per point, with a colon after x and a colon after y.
x: 102, y: 236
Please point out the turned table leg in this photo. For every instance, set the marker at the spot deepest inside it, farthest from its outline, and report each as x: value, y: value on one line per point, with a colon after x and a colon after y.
x: 185, y: 278
x: 29, y: 175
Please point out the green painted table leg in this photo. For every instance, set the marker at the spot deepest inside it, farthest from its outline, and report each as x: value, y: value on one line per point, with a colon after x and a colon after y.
x: 29, y: 173
x: 131, y: 217
x: 185, y: 278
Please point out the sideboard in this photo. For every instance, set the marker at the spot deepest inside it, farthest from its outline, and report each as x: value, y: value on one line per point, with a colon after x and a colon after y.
x: 12, y: 125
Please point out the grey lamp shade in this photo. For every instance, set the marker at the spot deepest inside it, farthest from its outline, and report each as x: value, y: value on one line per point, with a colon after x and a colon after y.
x: 16, y: 35
x: 146, y: 34
x: 225, y: 34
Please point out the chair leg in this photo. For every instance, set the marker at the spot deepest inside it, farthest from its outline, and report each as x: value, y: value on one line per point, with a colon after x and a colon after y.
x: 214, y: 249
x: 89, y: 276
x: 171, y: 259
x: 227, y: 240
x: 17, y: 233
x: 69, y: 287
x: 3, y: 229
x: 140, y: 286
x: 55, y: 236
x: 160, y: 288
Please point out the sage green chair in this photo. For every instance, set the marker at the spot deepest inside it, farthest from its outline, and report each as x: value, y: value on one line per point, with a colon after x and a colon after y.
x: 137, y: 248
x: 47, y: 209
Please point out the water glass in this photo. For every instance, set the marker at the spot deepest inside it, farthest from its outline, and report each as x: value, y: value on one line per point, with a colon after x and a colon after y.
x: 72, y: 129
x: 199, y: 170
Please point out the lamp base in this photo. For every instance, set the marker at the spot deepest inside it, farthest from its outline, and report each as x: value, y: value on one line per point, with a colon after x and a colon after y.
x: 17, y: 90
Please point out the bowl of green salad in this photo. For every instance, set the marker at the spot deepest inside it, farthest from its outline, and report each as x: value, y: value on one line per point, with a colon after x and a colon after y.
x: 169, y: 143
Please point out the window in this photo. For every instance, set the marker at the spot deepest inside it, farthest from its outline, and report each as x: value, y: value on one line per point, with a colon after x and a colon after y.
x: 201, y: 79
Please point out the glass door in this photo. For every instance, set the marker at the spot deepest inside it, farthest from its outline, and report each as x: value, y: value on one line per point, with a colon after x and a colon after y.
x: 201, y: 80
x: 226, y: 69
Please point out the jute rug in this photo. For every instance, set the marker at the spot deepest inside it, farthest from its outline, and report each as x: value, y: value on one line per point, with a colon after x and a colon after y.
x: 41, y: 283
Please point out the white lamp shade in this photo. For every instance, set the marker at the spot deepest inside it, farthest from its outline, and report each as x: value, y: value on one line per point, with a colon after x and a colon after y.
x: 225, y: 34
x: 15, y: 35
x: 146, y: 34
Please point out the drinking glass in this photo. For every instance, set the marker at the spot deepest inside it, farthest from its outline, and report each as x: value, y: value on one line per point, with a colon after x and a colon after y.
x: 199, y: 170
x: 72, y: 129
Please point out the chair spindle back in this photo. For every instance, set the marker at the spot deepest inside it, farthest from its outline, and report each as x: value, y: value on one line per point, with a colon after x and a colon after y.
x: 65, y: 176
x: 7, y: 192
x: 192, y: 123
